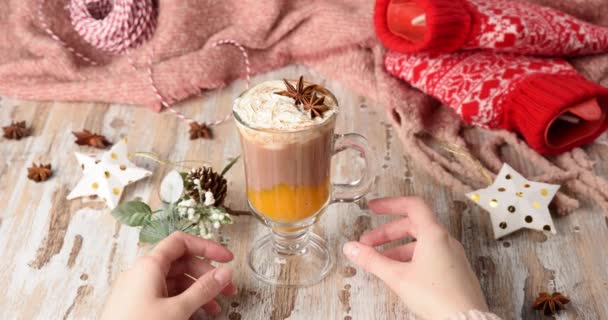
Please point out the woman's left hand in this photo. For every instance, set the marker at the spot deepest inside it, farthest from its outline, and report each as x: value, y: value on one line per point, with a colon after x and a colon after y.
x: 156, y: 287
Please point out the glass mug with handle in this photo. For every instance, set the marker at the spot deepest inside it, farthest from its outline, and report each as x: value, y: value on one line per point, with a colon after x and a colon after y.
x: 287, y: 155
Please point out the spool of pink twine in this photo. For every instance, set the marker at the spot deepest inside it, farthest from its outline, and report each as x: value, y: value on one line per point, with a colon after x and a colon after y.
x: 114, y: 25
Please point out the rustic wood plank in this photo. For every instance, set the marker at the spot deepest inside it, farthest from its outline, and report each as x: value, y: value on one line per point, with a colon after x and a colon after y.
x: 60, y: 257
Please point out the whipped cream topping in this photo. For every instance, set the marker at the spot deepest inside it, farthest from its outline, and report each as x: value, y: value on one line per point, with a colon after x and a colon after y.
x: 261, y: 108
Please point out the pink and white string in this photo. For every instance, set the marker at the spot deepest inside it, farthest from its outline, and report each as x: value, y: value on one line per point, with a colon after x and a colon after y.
x: 119, y: 26
x: 163, y: 102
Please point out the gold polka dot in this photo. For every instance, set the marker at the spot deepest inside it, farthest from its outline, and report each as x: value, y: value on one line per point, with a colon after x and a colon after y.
x: 528, y: 219
x: 114, y: 155
x: 493, y: 203
x: 95, y: 185
x: 544, y: 192
x: 503, y: 225
x: 115, y: 191
x: 511, y: 209
x: 526, y: 185
x: 124, y: 139
x: 508, y: 177
x: 107, y: 174
x: 475, y: 197
x: 535, y: 204
x: 519, y: 194
x: 502, y: 189
x: 123, y: 167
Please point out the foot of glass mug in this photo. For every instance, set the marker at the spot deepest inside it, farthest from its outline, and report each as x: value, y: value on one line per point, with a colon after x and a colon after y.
x: 292, y: 259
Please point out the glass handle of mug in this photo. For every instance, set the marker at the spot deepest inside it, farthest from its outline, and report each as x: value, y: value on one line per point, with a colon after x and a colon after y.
x: 355, y: 189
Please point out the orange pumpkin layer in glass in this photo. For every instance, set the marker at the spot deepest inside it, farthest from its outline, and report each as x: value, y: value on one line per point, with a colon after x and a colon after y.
x: 286, y: 203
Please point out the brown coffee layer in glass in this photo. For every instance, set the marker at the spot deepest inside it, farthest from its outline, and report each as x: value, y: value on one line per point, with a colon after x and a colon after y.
x: 290, y: 158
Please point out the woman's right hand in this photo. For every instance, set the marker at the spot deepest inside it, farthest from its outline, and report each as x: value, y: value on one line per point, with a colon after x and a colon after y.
x: 432, y: 275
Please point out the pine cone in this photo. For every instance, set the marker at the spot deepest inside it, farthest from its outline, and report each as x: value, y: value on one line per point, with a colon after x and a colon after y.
x: 209, y: 181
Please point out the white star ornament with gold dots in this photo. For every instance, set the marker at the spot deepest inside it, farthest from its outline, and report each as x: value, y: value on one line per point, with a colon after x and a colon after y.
x: 515, y: 203
x: 107, y: 176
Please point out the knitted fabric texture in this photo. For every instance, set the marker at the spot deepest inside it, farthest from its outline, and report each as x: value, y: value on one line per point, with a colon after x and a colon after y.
x: 499, y: 25
x: 335, y: 38
x: 501, y: 91
x: 474, y: 315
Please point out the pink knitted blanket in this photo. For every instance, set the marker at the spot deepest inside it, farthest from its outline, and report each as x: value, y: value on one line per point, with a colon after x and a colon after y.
x: 334, y: 37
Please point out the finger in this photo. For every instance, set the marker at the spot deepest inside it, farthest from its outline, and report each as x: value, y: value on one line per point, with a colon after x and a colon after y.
x: 212, y: 307
x: 230, y: 290
x: 196, y: 267
x: 391, y: 231
x: 403, y: 253
x: 372, y: 261
x: 204, y: 289
x: 179, y: 244
x: 190, y: 265
x: 413, y: 207
x: 179, y: 284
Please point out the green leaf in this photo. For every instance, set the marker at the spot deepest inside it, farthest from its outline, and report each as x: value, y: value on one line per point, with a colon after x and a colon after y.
x: 157, y: 230
x: 132, y: 213
x: 162, y: 213
x: 154, y: 231
x: 184, y: 175
x: 229, y: 165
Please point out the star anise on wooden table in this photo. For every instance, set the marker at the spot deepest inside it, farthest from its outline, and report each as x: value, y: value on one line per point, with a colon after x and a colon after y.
x: 88, y: 138
x: 315, y: 104
x: 16, y: 130
x: 550, y: 304
x: 200, y: 130
x: 40, y: 172
x: 297, y: 93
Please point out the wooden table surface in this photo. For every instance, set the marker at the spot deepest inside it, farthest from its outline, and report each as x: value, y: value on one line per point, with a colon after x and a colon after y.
x: 59, y: 257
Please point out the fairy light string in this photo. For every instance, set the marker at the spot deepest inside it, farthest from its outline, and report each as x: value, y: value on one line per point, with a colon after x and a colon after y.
x: 179, y: 164
x: 190, y: 276
x: 118, y: 27
x: 157, y: 159
x: 459, y: 151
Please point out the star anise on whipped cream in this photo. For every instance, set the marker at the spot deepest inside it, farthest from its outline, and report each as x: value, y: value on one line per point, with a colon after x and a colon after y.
x: 298, y: 92
x: 315, y: 104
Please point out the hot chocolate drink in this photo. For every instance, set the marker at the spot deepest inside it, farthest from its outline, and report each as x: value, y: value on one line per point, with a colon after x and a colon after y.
x: 287, y: 151
x: 287, y: 136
